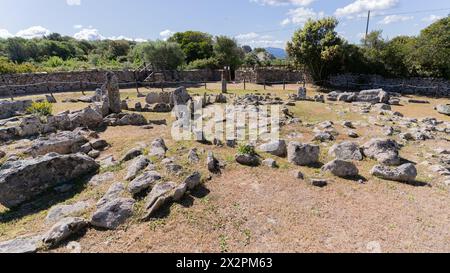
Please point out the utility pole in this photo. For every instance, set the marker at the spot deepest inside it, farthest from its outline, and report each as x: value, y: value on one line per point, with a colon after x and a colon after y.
x: 367, y: 27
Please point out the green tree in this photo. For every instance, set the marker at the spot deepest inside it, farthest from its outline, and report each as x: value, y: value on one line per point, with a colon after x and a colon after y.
x: 195, y: 45
x: 433, y: 49
x: 317, y: 47
x: 227, y: 52
x: 161, y: 54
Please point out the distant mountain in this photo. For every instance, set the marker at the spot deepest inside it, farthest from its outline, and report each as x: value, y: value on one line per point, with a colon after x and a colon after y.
x: 277, y: 52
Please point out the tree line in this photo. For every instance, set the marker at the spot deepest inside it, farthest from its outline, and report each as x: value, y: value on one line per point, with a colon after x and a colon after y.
x: 316, y: 47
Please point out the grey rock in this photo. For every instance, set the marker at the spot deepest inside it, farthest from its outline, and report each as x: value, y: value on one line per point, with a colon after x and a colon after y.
x: 193, y: 157
x: 276, y: 148
x: 132, y: 119
x: 144, y: 182
x: 62, y: 143
x: 2, y: 154
x: 299, y: 175
x: 131, y: 154
x: 320, y: 183
x: 346, y: 151
x: 174, y: 168
x: 94, y: 154
x: 443, y: 109
x: 193, y: 181
x: 385, y: 151
x: 61, y: 211
x: 13, y: 108
x: 21, y: 245
x: 87, y: 117
x: 404, y: 173
x: 303, y: 154
x: 113, y: 92
x: 212, y: 163
x: 101, y: 178
x: 158, y: 148
x: 247, y: 160
x: 341, y: 168
x: 23, y: 180
x: 64, y: 229
x: 323, y: 137
x: 114, y: 192
x: 160, y: 195
x: 136, y: 166
x: 86, y: 148
x: 271, y: 163
x: 113, y: 213
x: 99, y: 144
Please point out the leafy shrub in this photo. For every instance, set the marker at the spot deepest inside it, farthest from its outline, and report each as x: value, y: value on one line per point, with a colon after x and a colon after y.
x: 40, y: 108
x: 8, y: 67
x: 211, y: 63
x: 245, y: 149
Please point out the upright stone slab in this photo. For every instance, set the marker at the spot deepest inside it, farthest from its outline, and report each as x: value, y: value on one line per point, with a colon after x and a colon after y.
x: 112, y: 87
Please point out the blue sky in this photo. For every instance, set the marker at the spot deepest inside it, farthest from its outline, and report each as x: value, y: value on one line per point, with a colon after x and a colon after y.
x: 254, y: 22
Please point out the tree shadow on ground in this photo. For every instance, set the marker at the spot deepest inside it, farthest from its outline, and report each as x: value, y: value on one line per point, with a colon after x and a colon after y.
x: 44, y: 201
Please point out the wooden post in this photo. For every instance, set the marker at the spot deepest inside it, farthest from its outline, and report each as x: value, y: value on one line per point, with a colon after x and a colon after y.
x: 81, y: 87
x: 264, y: 84
x: 162, y: 86
x: 206, y: 87
x: 284, y: 84
x: 245, y: 84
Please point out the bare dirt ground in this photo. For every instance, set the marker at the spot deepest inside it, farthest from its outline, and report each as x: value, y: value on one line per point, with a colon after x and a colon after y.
x: 268, y: 210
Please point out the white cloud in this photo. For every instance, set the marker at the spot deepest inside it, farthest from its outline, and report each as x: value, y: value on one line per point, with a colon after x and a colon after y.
x: 166, y: 34
x: 360, y: 6
x: 283, y: 2
x: 73, y: 2
x: 4, y: 34
x: 78, y: 26
x: 394, y: 19
x: 89, y: 34
x: 432, y: 18
x: 33, y: 32
x: 256, y: 40
x: 300, y: 15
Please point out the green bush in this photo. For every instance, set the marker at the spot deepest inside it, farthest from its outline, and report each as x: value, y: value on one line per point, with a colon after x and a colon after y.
x: 40, y: 108
x: 8, y: 67
x: 245, y: 149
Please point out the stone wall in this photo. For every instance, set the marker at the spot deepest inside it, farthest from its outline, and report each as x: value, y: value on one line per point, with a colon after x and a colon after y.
x: 269, y: 75
x: 39, y: 83
x: 418, y: 86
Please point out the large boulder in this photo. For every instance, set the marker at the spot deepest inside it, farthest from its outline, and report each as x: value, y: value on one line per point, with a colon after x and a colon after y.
x: 346, y: 151
x: 133, y: 119
x: 24, y: 179
x: 404, y: 173
x: 180, y: 96
x: 385, y: 151
x: 443, y: 109
x: 303, y: 154
x: 373, y: 96
x: 87, y: 117
x: 13, y: 108
x: 66, y: 142
x: 341, y: 168
x: 30, y: 126
x: 276, y: 148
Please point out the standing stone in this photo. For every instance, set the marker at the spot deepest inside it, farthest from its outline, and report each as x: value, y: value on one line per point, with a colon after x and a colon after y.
x: 224, y: 82
x: 112, y: 87
x: 301, y: 94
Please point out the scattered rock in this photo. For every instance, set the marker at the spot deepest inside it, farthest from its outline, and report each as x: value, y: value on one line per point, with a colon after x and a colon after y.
x: 160, y: 195
x: 276, y: 148
x: 271, y: 163
x: 21, y: 245
x: 404, y: 173
x: 303, y: 154
x: 323, y: 137
x: 114, y: 192
x: 2, y: 154
x: 63, y: 230
x: 346, y: 151
x: 212, y: 163
x: 131, y: 154
x: 193, y: 181
x: 136, y: 166
x: 443, y: 109
x: 61, y: 211
x: 247, y: 160
x: 193, y: 157
x: 385, y: 151
x: 341, y: 168
x: 299, y: 175
x: 113, y: 213
x: 101, y: 178
x: 320, y: 183
x: 99, y: 144
x: 158, y: 148
x: 144, y: 182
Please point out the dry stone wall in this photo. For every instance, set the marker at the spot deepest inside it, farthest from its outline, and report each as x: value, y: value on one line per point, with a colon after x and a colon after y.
x: 269, y: 75
x: 417, y: 86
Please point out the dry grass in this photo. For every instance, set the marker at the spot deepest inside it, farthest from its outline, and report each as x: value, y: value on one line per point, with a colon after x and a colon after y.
x: 266, y: 210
